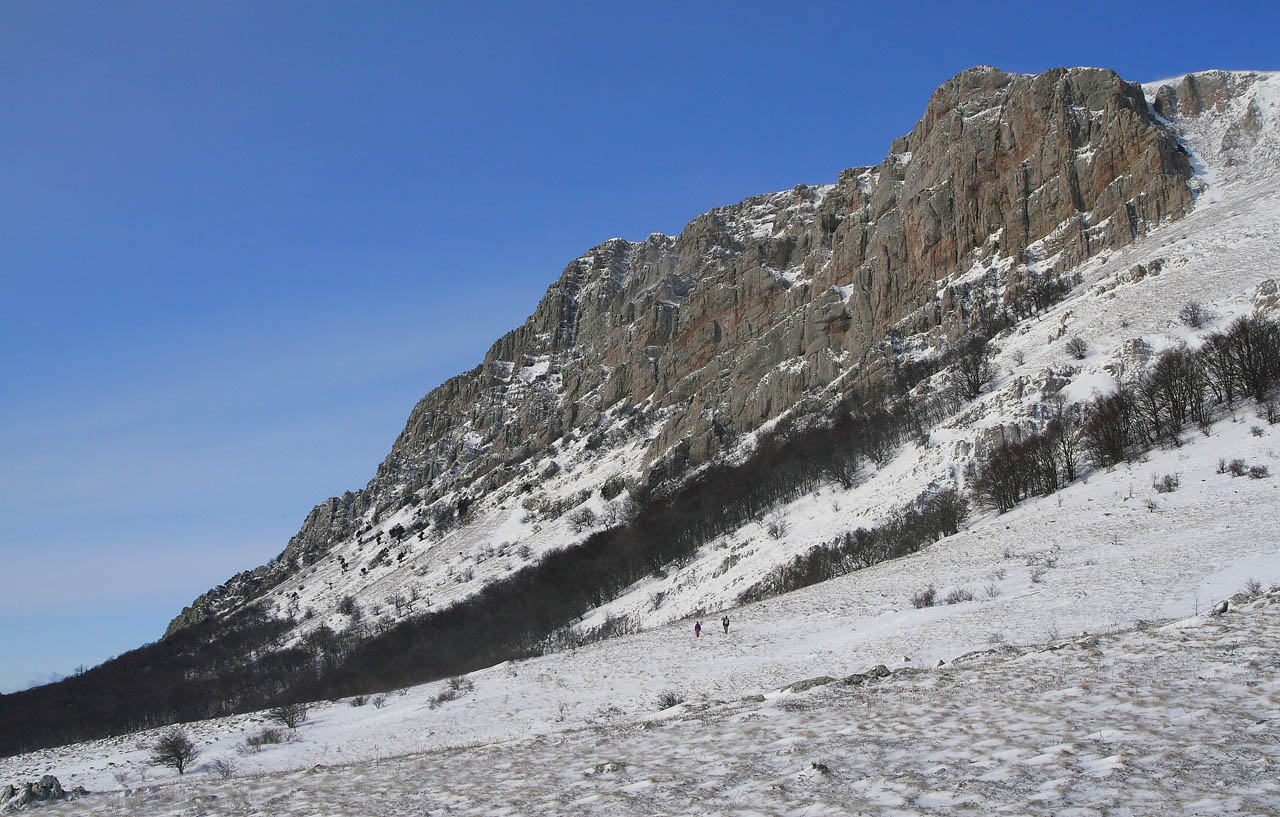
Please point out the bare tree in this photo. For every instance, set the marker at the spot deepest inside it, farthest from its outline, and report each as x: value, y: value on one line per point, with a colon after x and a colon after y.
x: 291, y: 715
x: 175, y: 749
x: 1192, y: 314
x: 972, y: 367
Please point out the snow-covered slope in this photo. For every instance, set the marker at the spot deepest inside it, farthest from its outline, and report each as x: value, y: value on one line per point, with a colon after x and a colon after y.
x: 1093, y: 558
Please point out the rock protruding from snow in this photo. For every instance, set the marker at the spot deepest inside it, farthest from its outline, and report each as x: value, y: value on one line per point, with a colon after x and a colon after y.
x: 13, y: 798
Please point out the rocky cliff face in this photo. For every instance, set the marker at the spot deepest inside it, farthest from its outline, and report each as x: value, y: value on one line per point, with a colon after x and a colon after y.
x: 768, y: 306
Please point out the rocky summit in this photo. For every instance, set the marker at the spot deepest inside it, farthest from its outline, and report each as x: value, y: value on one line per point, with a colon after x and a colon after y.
x: 785, y: 302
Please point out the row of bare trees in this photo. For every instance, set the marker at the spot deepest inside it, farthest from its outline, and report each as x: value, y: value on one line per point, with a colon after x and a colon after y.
x: 1180, y: 389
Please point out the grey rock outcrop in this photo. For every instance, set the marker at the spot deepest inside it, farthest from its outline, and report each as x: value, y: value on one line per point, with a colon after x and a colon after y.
x: 1266, y: 298
x: 783, y: 301
x: 14, y: 798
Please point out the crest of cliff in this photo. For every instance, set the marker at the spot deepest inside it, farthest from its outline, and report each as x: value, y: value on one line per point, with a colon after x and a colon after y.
x: 784, y: 302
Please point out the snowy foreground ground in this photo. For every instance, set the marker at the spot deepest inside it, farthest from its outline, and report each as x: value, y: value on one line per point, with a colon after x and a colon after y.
x: 1184, y: 716
x: 1179, y: 719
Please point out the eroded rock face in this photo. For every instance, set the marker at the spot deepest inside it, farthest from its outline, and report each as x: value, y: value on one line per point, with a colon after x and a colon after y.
x: 763, y: 306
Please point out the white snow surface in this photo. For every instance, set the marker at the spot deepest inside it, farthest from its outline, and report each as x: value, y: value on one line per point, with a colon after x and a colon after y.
x: 1144, y: 720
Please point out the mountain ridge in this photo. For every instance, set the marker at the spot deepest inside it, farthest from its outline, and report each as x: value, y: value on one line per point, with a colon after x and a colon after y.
x: 801, y: 286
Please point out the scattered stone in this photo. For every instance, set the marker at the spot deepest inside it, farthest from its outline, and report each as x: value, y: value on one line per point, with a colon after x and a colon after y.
x: 611, y: 767
x: 1220, y: 608
x: 810, y: 683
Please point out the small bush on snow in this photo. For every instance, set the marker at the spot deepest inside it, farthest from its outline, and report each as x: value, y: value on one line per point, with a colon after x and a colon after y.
x: 1259, y: 471
x: 290, y: 715
x: 925, y: 598
x: 254, y: 743
x: 1166, y: 484
x: 224, y: 767
x: 669, y: 698
x: 958, y: 595
x: 1192, y: 314
x: 456, y: 687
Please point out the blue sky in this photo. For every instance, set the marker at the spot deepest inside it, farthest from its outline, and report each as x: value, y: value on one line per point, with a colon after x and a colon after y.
x: 238, y: 240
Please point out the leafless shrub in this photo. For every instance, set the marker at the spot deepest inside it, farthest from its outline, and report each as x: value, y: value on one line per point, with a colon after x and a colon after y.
x: 1256, y: 431
x: 268, y: 736
x: 1259, y: 472
x: 1252, y: 588
x: 224, y: 767
x: 290, y: 715
x: 379, y: 702
x: 349, y: 607
x: 1236, y: 468
x: 669, y: 698
x: 174, y: 748
x: 1047, y: 559
x: 582, y: 519
x: 777, y: 527
x: 1166, y: 484
x: 958, y: 595
x: 1151, y: 505
x: 1192, y: 314
x: 924, y: 598
x: 991, y: 590
x: 359, y: 700
x: 455, y: 688
x: 460, y: 683
x: 1077, y: 348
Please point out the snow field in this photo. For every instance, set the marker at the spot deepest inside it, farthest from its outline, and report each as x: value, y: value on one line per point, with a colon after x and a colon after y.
x: 1098, y: 561
x: 1183, y: 718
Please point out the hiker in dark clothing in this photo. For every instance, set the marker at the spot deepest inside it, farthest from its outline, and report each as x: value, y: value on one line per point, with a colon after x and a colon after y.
x: 697, y: 629
x: 725, y: 622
